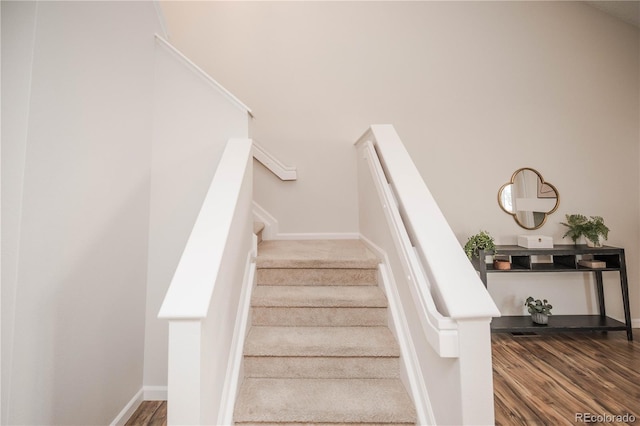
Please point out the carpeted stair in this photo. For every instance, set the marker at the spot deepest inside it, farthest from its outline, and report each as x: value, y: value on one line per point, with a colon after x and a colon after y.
x: 258, y: 227
x: 319, y: 350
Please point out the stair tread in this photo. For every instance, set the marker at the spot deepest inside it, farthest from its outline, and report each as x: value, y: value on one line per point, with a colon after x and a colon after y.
x: 319, y: 296
x: 321, y: 341
x: 315, y: 254
x: 324, y: 400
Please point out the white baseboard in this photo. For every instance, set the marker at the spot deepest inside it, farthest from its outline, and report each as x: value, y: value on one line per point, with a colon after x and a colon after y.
x: 155, y: 393
x: 318, y: 236
x: 128, y: 410
x: 146, y: 393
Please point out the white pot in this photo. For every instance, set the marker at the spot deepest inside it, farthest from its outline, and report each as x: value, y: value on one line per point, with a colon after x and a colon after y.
x: 592, y: 244
x: 539, y: 318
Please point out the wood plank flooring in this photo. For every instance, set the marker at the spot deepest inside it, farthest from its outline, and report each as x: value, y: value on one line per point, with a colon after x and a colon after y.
x: 541, y: 380
x: 153, y: 413
x: 551, y: 379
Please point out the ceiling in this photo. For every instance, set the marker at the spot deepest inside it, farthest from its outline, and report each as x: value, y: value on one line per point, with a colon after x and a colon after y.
x: 628, y: 11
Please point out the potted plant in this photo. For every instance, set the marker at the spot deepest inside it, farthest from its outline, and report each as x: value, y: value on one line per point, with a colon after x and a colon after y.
x: 479, y: 241
x: 591, y: 228
x: 540, y: 310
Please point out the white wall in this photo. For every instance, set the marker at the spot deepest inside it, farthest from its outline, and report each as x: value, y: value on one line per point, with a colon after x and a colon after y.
x: 17, y: 54
x: 476, y: 90
x: 75, y: 185
x: 192, y: 122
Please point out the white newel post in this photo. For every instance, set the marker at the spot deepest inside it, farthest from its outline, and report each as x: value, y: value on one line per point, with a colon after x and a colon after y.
x: 184, y: 372
x: 476, y: 373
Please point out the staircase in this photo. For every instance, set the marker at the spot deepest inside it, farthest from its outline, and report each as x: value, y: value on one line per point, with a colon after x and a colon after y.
x: 319, y: 349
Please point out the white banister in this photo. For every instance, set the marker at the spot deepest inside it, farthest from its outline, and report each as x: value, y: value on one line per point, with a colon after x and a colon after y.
x: 446, y: 344
x: 463, y: 296
x: 273, y: 164
x: 205, y: 296
x: 446, y: 308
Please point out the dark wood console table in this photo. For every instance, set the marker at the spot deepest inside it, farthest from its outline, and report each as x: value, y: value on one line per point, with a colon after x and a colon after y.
x: 564, y: 258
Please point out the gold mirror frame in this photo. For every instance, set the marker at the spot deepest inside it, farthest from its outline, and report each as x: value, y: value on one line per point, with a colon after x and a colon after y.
x: 519, y: 189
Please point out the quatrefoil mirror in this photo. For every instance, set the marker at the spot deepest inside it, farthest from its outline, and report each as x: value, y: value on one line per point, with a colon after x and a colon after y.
x: 528, y: 198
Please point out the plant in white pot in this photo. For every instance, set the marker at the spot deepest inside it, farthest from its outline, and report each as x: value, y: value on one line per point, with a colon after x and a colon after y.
x: 593, y: 229
x: 540, y: 310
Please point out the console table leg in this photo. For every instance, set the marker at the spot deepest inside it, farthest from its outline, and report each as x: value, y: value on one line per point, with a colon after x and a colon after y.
x: 600, y: 289
x: 625, y: 295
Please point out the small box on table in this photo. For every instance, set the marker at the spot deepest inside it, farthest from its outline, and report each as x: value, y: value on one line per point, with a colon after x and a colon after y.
x: 535, y: 241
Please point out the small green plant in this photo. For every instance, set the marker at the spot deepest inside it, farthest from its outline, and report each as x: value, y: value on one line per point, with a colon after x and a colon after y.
x: 538, y: 306
x: 480, y: 241
x: 591, y: 228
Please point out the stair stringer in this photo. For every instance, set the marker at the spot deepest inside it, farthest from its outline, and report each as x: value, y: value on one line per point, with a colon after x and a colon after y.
x: 270, y: 223
x: 235, y: 370
x: 410, y: 369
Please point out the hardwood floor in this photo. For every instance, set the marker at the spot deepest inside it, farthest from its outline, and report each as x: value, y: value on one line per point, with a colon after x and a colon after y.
x: 564, y: 379
x: 542, y: 380
x: 153, y: 413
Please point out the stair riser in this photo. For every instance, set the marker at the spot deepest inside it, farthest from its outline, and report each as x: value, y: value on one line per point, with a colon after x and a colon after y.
x: 324, y: 296
x: 322, y: 368
x: 278, y: 276
x: 319, y: 317
x: 321, y: 342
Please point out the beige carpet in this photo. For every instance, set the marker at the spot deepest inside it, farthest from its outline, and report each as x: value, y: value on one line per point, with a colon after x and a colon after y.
x: 325, y: 400
x: 316, y: 254
x: 319, y: 350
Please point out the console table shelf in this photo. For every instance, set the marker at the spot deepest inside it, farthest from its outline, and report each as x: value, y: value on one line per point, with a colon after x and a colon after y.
x: 561, y: 258
x: 557, y: 323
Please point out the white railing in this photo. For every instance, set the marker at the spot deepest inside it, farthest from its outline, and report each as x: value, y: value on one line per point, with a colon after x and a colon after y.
x: 208, y: 294
x: 273, y: 164
x: 445, y: 308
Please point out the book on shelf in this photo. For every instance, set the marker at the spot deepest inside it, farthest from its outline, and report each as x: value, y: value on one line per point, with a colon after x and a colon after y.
x: 592, y: 263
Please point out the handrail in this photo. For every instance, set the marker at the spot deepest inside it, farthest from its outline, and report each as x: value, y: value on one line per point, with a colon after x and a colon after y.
x: 433, y: 323
x: 455, y: 285
x: 273, y: 164
x: 203, y: 74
